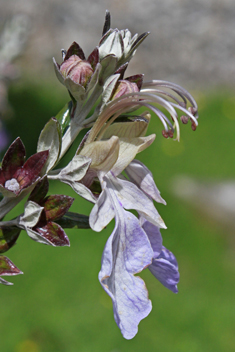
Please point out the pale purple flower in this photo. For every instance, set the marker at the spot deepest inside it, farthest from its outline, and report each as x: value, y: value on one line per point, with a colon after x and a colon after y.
x: 134, y: 245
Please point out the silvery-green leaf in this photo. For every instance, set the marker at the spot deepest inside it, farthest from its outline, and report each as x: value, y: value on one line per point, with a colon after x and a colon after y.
x: 108, y: 64
x: 94, y: 78
x: 80, y: 189
x: 50, y: 139
x: 109, y: 87
x: 76, y: 169
x: 112, y: 44
x: 32, y: 213
x: 57, y: 71
x: 77, y: 91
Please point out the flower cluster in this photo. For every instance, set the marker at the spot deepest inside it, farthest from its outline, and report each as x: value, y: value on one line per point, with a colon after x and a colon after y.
x: 104, y: 171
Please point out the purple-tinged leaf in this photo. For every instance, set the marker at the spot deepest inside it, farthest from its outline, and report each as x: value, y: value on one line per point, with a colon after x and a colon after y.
x: 53, y: 233
x: 8, y: 237
x: 107, y: 22
x: 55, y: 206
x: 75, y: 49
x: 40, y: 191
x: 7, y: 267
x: 105, y: 36
x: 165, y: 269
x: 31, y: 169
x: 93, y: 58
x: 137, y: 79
x: 122, y: 70
x: 13, y: 159
x: 138, y: 41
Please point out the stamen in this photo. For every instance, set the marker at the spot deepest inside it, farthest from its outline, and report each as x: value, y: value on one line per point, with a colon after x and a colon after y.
x: 184, y: 119
x: 165, y: 134
x: 193, y: 126
x: 12, y: 185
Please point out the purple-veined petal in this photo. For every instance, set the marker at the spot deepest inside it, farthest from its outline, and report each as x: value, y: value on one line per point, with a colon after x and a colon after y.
x: 102, y: 212
x: 143, y: 178
x: 165, y: 269
x: 131, y: 197
x: 127, y: 252
x: 154, y: 236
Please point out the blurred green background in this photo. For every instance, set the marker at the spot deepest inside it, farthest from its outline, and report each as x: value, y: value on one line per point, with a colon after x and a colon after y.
x: 59, y: 305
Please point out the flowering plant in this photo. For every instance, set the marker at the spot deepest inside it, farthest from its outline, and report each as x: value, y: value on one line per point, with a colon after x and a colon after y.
x: 103, y: 170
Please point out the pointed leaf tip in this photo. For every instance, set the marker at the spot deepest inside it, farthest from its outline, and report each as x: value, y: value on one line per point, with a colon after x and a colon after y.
x: 107, y: 22
x: 75, y: 49
x: 54, y: 233
x: 56, y: 206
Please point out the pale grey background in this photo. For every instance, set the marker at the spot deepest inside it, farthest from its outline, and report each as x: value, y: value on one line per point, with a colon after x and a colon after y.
x: 192, y: 42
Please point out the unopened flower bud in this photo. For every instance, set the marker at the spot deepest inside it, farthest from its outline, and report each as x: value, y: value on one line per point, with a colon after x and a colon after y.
x: 80, y: 71
x: 124, y: 87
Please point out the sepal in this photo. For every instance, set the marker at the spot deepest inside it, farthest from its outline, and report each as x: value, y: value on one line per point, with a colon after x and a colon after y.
x: 50, y: 139
x: 7, y: 268
x: 8, y: 237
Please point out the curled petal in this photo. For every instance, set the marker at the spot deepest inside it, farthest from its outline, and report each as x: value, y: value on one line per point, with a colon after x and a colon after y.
x: 154, y: 236
x: 143, y: 178
x: 131, y: 197
x: 165, y: 269
x: 102, y: 153
x: 129, y: 147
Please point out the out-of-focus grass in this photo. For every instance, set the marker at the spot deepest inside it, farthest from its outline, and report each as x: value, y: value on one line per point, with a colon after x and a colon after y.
x: 59, y: 305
